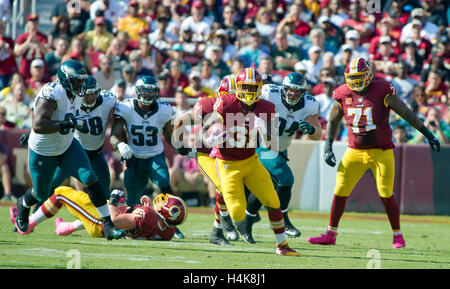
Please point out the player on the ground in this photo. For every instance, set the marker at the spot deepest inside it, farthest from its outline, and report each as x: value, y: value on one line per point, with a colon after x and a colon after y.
x: 365, y: 104
x: 243, y: 115
x: 137, y: 134
x: 141, y: 221
x: 97, y: 109
x: 297, y: 110
x: 51, y: 144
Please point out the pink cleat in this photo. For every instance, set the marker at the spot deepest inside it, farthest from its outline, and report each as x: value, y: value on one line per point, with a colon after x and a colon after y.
x: 12, y: 217
x: 63, y: 228
x: 329, y: 238
x: 399, y: 242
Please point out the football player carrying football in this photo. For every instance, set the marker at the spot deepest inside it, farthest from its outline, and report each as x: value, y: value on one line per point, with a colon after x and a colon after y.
x: 207, y: 164
x: 297, y: 110
x: 51, y: 144
x: 140, y: 221
x: 244, y: 114
x: 365, y: 104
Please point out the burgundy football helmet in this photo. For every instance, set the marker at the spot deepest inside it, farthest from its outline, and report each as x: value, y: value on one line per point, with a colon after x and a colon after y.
x: 227, y: 85
x: 358, y: 74
x: 248, y: 86
x: 172, y: 209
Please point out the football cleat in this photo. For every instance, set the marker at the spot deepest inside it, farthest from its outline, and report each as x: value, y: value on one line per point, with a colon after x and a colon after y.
x: 399, y: 242
x: 22, y: 216
x: 329, y: 238
x: 216, y: 237
x: 245, y: 228
x: 290, y: 230
x: 13, y: 217
x: 228, y: 228
x: 110, y: 231
x: 285, y: 250
x: 63, y: 228
x: 178, y: 234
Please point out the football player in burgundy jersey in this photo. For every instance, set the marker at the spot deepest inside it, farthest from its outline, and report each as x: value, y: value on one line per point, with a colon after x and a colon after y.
x: 365, y: 104
x: 223, y: 225
x: 147, y: 221
x: 244, y: 116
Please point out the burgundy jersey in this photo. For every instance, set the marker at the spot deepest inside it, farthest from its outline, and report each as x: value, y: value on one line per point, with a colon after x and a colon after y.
x: 367, y: 116
x: 242, y: 136
x: 201, y: 110
x: 147, y: 224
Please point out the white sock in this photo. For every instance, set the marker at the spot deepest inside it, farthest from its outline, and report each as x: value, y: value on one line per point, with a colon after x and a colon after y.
x: 38, y: 216
x: 103, y: 211
x: 397, y: 233
x: 281, y: 238
x: 223, y: 213
x: 251, y: 215
x: 217, y: 225
x: 77, y: 224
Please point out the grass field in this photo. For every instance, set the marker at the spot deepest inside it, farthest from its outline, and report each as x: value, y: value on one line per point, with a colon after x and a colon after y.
x: 364, y: 241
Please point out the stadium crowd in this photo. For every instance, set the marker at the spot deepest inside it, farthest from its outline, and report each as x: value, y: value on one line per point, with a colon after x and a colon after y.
x: 190, y: 45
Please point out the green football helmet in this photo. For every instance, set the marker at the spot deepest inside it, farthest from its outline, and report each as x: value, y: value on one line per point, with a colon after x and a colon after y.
x: 72, y: 75
x: 293, y: 88
x: 147, y: 90
x: 92, y: 91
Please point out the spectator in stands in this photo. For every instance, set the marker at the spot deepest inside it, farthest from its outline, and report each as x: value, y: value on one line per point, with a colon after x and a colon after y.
x: 352, y: 38
x: 5, y: 172
x: 197, y: 22
x: 364, y: 28
x: 30, y: 45
x: 8, y: 63
x: 252, y: 53
x: 177, y: 77
x: 209, y: 79
x: 219, y: 67
x: 165, y: 89
x: 129, y: 75
x: 17, y: 111
x: 265, y: 25
x: 131, y: 22
x: 177, y: 52
x: 99, y: 39
x: 266, y: 66
x: 399, y: 134
x: 385, y: 29
x: 429, y: 29
x: 419, y: 103
x: 161, y: 37
x: 316, y: 38
x: 385, y: 58
x: 435, y: 89
x: 106, y: 76
x: 117, y: 53
x: 4, y: 123
x: 423, y: 45
x: 284, y: 56
x: 411, y: 57
x: 230, y: 25
x: 54, y: 58
x: 435, y: 124
x: 6, y: 92
x: 333, y: 33
x: 437, y: 64
x: 119, y: 89
x: 77, y: 19
x: 90, y: 23
x: 403, y: 83
x: 181, y: 101
x: 60, y: 30
x: 165, y: 13
x: 135, y: 59
x: 341, y: 62
x: 325, y: 99
x: 77, y: 51
x: 313, y: 64
x: 325, y: 73
x: 152, y: 58
x: 212, y: 10
x: 195, y: 89
x: 38, y: 77
x: 236, y: 66
x: 113, y: 9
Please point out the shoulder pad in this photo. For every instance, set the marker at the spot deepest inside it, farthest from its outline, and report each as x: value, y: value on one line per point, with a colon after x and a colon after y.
x: 48, y: 91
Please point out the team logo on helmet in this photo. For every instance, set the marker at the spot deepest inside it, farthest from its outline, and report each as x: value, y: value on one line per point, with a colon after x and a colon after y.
x: 172, y: 209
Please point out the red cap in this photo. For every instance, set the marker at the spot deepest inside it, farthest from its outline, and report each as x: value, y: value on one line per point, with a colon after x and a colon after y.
x: 75, y: 55
x: 32, y: 16
x: 197, y: 3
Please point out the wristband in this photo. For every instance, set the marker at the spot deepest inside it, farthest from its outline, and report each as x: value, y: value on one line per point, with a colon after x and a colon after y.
x: 328, y: 144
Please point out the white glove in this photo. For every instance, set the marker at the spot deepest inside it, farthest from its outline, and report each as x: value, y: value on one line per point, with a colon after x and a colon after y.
x: 79, y: 122
x: 217, y: 137
x: 125, y: 150
x: 260, y: 125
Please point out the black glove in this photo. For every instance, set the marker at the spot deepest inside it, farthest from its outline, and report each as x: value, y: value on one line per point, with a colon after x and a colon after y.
x: 76, y: 122
x: 432, y: 141
x: 329, y: 157
x: 24, y: 138
x: 306, y: 127
x: 183, y: 151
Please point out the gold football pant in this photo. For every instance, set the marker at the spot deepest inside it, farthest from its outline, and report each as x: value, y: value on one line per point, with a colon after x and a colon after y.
x: 356, y: 162
x: 79, y: 205
x: 250, y: 172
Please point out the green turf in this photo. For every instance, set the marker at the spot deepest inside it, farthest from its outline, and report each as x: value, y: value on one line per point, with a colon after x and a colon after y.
x: 364, y: 240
